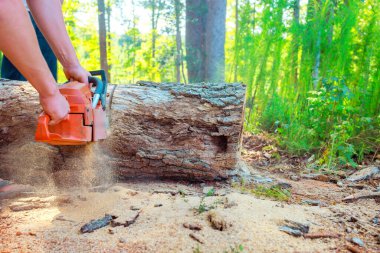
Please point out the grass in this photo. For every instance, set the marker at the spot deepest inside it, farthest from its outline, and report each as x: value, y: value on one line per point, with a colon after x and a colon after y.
x: 273, y: 192
x: 203, y: 207
x: 233, y: 249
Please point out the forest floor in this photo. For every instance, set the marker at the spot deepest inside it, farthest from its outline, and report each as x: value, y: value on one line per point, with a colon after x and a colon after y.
x: 242, y: 215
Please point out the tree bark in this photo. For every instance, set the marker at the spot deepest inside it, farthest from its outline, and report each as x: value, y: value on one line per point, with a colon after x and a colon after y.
x: 109, y: 63
x: 190, y: 132
x: 103, y: 37
x: 154, y: 27
x: 205, y: 40
x: 236, y: 40
x: 196, y: 11
x: 178, y: 63
x: 215, y: 40
x: 317, y: 60
x: 296, y: 39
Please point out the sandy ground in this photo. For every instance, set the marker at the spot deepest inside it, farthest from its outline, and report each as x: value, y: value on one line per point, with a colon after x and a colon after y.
x: 50, y: 220
x: 164, y: 208
x: 252, y: 223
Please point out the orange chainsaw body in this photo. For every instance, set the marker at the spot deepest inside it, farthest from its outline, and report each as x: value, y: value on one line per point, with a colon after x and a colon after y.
x: 86, y: 122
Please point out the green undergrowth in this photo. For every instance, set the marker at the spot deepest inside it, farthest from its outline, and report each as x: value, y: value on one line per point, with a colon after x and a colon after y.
x: 273, y: 192
x: 332, y: 123
x: 233, y: 249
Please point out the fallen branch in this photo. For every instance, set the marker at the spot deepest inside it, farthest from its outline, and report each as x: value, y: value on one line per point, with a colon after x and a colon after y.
x: 366, y: 195
x: 196, y: 238
x: 354, y: 249
x: 321, y: 235
x: 127, y: 223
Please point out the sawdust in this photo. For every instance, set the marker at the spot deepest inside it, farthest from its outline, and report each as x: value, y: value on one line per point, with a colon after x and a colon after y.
x: 160, y: 229
x: 52, y: 169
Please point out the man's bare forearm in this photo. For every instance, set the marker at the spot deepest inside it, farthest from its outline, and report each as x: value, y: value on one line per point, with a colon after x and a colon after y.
x: 19, y: 43
x: 49, y: 18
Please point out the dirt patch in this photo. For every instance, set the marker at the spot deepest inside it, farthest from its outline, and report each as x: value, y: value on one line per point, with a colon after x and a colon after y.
x: 153, y: 216
x: 159, y: 228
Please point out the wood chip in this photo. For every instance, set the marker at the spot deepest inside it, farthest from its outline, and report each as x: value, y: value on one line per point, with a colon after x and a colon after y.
x: 354, y: 249
x: 196, y: 238
x: 193, y: 226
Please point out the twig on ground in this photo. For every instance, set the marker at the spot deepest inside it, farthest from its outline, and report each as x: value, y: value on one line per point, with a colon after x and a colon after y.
x: 321, y: 235
x: 366, y: 195
x: 354, y: 249
x: 196, y: 238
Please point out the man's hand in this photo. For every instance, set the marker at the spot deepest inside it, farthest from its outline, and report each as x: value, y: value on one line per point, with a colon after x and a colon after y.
x: 56, y: 106
x: 77, y: 73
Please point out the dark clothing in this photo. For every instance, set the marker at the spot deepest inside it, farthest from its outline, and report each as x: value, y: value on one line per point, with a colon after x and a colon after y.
x: 9, y: 71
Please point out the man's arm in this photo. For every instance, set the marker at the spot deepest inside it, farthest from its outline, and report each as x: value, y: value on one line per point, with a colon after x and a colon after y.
x: 49, y: 18
x: 19, y: 43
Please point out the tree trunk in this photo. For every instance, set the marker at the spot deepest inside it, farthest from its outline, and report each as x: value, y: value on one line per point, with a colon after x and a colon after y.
x: 205, y: 40
x: 134, y: 42
x: 178, y: 61
x: 296, y: 39
x: 317, y: 62
x: 190, y: 132
x: 196, y: 11
x: 307, y: 58
x: 236, y: 40
x: 153, y: 23
x: 109, y: 63
x: 103, y: 37
x: 215, y: 40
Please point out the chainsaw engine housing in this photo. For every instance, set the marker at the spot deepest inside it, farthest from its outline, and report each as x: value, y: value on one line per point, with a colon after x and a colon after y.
x: 86, y: 121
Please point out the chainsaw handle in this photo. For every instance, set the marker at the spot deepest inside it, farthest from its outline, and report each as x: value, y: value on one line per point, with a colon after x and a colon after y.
x: 42, y: 127
x: 101, y: 87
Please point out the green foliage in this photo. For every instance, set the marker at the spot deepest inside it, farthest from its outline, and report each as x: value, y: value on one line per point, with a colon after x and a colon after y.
x: 202, y: 206
x: 312, y: 81
x: 273, y: 192
x: 211, y: 192
x: 235, y: 249
x: 197, y: 249
x: 312, y: 71
x: 332, y: 125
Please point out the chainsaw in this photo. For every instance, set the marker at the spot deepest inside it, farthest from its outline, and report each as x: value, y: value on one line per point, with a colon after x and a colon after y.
x: 86, y: 121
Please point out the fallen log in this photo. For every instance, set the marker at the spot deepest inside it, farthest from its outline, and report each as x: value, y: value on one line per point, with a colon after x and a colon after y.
x: 190, y: 132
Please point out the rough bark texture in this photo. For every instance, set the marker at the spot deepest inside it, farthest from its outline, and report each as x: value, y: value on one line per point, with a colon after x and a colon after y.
x: 103, y: 37
x: 190, y: 132
x: 196, y: 12
x: 215, y: 40
x: 205, y: 39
